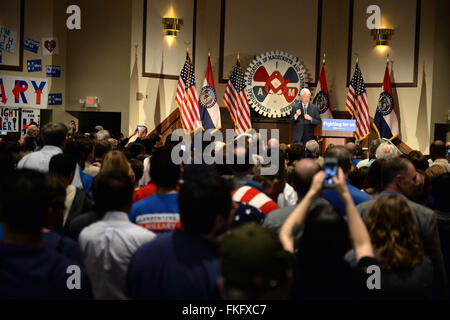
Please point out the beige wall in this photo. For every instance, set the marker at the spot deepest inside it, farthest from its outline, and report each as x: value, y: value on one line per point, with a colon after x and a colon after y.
x: 101, y: 59
x: 419, y: 107
x: 98, y: 57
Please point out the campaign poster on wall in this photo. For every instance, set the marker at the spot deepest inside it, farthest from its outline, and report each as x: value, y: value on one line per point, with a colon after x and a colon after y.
x: 29, y: 116
x: 17, y: 91
x: 9, y: 119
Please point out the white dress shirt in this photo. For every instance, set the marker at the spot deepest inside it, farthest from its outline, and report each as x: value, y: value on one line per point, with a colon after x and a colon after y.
x: 108, y: 246
x: 288, y: 197
x: 304, y: 110
x: 39, y: 160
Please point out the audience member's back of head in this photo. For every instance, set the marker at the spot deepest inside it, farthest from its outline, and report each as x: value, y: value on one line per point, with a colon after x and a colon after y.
x: 202, y: 201
x: 103, y: 135
x: 394, y: 233
x: 296, y: 152
x: 312, y: 149
x: 358, y: 176
x: 325, y: 238
x: 116, y: 161
x: 24, y: 202
x: 438, y: 150
x: 392, y: 167
x: 374, y: 144
x: 254, y: 264
x: 163, y: 171
x: 112, y: 191
x: 62, y: 165
x: 342, y: 156
x: 138, y: 168
x: 304, y: 172
x: 372, y: 183
x: 440, y: 191
x: 241, y: 160
x: 101, y: 149
x: 54, y: 134
x: 386, y: 151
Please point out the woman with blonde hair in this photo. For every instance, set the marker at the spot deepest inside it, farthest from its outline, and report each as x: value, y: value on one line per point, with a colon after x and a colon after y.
x: 116, y: 161
x: 406, y: 272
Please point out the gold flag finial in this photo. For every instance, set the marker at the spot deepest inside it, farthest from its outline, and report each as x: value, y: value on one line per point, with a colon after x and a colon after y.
x: 323, y: 61
x: 387, y: 58
x: 209, y: 53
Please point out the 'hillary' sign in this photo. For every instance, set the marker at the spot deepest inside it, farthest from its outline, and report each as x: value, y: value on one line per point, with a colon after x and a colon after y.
x: 23, y: 92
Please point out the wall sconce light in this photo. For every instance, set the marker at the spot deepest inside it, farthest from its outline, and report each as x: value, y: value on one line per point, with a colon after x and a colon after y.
x: 172, y: 26
x: 382, y: 36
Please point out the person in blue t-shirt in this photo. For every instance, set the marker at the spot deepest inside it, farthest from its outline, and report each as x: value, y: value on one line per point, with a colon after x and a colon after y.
x: 159, y: 212
x: 30, y: 266
x: 183, y: 264
x: 358, y: 196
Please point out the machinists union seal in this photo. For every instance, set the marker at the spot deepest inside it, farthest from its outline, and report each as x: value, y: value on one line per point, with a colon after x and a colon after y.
x: 273, y: 83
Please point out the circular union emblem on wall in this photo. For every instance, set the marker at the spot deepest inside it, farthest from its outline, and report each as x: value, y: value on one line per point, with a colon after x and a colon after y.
x: 207, y: 97
x: 321, y: 101
x: 385, y: 103
x: 273, y: 83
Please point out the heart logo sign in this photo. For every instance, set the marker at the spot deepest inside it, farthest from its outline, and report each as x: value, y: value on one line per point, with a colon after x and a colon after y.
x: 50, y: 45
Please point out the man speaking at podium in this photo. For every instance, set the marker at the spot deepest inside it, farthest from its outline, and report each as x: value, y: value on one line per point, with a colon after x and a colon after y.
x: 304, y: 118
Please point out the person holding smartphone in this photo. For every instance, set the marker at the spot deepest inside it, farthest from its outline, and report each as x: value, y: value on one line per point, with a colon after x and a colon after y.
x: 341, y: 159
x: 321, y: 271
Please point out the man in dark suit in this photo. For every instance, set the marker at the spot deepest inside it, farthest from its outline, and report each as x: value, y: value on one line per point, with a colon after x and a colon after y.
x: 304, y: 118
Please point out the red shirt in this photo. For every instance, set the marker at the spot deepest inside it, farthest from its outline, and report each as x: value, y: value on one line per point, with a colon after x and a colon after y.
x: 144, y: 192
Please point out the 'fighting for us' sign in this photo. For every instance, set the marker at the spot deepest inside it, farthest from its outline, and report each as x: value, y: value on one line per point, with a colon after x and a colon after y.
x: 23, y: 92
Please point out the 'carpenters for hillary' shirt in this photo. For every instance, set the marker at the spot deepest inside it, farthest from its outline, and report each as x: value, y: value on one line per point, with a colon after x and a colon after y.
x: 158, y: 213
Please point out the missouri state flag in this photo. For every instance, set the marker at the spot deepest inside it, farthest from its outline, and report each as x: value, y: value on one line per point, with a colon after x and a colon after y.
x: 322, y: 100
x: 385, y: 120
x: 209, y: 108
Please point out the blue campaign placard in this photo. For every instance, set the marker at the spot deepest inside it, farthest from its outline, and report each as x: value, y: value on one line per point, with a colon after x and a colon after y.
x: 338, y: 125
x: 34, y: 65
x: 31, y: 45
x: 55, y: 99
x: 53, y: 71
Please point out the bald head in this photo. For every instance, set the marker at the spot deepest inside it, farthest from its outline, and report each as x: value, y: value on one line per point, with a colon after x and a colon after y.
x: 304, y: 171
x: 351, y: 147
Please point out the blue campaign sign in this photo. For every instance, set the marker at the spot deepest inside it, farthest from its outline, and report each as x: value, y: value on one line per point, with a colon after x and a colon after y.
x: 54, y: 71
x: 31, y: 45
x: 34, y: 65
x: 338, y: 125
x: 55, y: 99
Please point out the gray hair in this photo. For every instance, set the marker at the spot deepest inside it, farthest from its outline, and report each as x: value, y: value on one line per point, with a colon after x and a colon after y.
x: 103, y: 135
x: 305, y: 90
x: 312, y: 146
x: 386, y: 151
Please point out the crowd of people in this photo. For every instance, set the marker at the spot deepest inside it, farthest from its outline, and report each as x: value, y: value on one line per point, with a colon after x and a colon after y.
x: 88, y: 216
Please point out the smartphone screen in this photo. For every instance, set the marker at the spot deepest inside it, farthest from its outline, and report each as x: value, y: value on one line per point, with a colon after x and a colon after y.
x: 331, y: 170
x: 139, y: 127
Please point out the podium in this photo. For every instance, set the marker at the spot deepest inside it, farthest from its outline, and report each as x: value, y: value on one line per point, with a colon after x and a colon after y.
x: 336, y: 131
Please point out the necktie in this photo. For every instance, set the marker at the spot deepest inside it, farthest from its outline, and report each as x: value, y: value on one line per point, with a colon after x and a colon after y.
x: 304, y: 109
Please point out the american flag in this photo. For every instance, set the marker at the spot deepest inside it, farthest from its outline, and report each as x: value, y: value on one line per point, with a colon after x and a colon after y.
x: 357, y: 104
x: 236, y: 100
x: 187, y: 98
